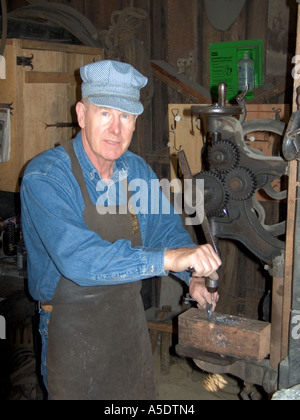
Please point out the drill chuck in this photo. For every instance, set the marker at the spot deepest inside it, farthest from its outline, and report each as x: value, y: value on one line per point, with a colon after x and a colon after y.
x: 212, y: 285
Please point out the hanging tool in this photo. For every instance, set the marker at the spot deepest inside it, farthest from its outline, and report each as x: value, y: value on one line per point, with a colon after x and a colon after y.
x: 62, y: 125
x: 177, y: 118
x: 212, y: 284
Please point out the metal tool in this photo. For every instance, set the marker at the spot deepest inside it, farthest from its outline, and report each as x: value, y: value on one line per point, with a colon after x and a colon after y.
x: 233, y: 174
x: 62, y: 125
x: 177, y: 118
x: 209, y: 306
x: 220, y: 108
x: 212, y: 285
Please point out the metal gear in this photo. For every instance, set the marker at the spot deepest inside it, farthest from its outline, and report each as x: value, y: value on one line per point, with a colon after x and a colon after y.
x: 223, y: 156
x: 215, y: 195
x: 240, y: 184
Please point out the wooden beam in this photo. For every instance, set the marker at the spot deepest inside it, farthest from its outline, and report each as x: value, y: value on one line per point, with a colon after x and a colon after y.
x: 182, y: 84
x: 52, y: 46
x: 290, y: 231
x: 51, y: 77
x: 276, y: 354
x: 162, y: 327
x: 262, y: 95
x: 226, y: 335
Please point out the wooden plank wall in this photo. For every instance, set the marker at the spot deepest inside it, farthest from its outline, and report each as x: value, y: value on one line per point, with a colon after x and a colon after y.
x: 180, y: 29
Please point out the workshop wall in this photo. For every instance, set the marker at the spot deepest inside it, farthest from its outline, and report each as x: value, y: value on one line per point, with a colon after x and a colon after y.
x: 179, y: 32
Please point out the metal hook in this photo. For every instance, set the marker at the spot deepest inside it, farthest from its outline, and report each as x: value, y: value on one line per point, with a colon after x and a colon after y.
x: 277, y: 113
x: 177, y: 118
x: 175, y: 113
x: 175, y: 147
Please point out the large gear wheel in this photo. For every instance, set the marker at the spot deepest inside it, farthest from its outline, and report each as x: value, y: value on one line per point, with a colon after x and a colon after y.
x: 215, y: 195
x: 223, y: 156
x: 240, y: 184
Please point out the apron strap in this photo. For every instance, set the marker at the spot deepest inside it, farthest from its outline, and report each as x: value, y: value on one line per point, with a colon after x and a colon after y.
x: 68, y: 147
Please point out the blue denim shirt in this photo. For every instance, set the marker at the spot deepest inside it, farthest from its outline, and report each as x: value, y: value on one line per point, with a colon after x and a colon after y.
x: 58, y: 241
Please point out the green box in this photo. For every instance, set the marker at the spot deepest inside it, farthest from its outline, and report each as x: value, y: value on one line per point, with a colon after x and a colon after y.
x: 224, y: 58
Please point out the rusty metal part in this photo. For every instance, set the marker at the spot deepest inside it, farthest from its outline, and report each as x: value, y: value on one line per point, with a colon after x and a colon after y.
x: 61, y: 125
x: 219, y: 109
x: 259, y: 373
x: 215, y: 195
x: 184, y: 166
x: 248, y: 171
x: 223, y: 156
x: 244, y: 220
x: 25, y: 61
x: 6, y: 106
x: 291, y: 143
x: 216, y: 110
x: 212, y: 285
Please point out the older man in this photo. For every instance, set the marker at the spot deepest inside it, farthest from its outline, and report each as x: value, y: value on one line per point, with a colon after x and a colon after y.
x: 88, y: 253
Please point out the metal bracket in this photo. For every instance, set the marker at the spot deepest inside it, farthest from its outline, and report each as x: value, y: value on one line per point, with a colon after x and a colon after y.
x: 183, y: 64
x: 291, y: 142
x: 25, y: 61
x: 5, y: 107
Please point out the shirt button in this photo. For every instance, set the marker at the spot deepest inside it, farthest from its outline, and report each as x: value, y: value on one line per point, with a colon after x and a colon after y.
x: 91, y: 175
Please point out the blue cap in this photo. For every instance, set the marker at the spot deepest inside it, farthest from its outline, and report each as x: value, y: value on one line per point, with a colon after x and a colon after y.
x: 112, y: 84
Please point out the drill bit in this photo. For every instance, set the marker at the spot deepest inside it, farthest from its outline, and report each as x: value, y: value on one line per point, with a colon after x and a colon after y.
x: 210, y: 307
x: 209, y: 310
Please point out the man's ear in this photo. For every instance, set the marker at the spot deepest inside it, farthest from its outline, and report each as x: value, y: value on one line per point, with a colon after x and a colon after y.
x: 80, y: 111
x: 136, y: 117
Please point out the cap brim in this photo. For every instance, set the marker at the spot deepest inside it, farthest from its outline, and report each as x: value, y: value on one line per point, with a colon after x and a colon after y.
x: 120, y: 104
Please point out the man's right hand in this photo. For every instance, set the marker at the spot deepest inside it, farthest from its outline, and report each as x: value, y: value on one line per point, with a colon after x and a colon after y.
x: 203, y: 259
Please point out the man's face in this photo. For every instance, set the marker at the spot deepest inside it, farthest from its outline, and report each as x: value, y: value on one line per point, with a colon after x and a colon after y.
x: 106, y: 133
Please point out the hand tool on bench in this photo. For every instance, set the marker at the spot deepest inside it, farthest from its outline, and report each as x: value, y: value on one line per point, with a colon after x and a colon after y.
x: 211, y: 284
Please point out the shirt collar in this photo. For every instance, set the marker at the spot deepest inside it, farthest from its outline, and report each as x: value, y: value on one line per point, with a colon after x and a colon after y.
x: 120, y: 167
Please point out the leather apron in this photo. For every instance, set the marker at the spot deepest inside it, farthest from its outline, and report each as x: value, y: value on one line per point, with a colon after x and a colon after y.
x: 99, y: 346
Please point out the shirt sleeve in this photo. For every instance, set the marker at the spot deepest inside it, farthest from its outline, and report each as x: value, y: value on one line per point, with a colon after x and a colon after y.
x: 51, y: 210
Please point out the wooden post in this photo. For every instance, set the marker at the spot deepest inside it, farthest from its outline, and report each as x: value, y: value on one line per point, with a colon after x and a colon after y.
x: 291, y: 217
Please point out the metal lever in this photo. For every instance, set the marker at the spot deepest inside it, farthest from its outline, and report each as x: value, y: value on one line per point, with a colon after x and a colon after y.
x: 185, y: 169
x: 222, y: 89
x: 211, y: 284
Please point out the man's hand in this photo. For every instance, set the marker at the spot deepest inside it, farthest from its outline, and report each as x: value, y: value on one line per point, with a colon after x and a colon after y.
x: 203, y: 259
x: 199, y: 292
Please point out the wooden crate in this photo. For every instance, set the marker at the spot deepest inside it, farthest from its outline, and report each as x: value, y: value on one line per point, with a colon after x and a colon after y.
x: 226, y: 335
x: 46, y: 94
